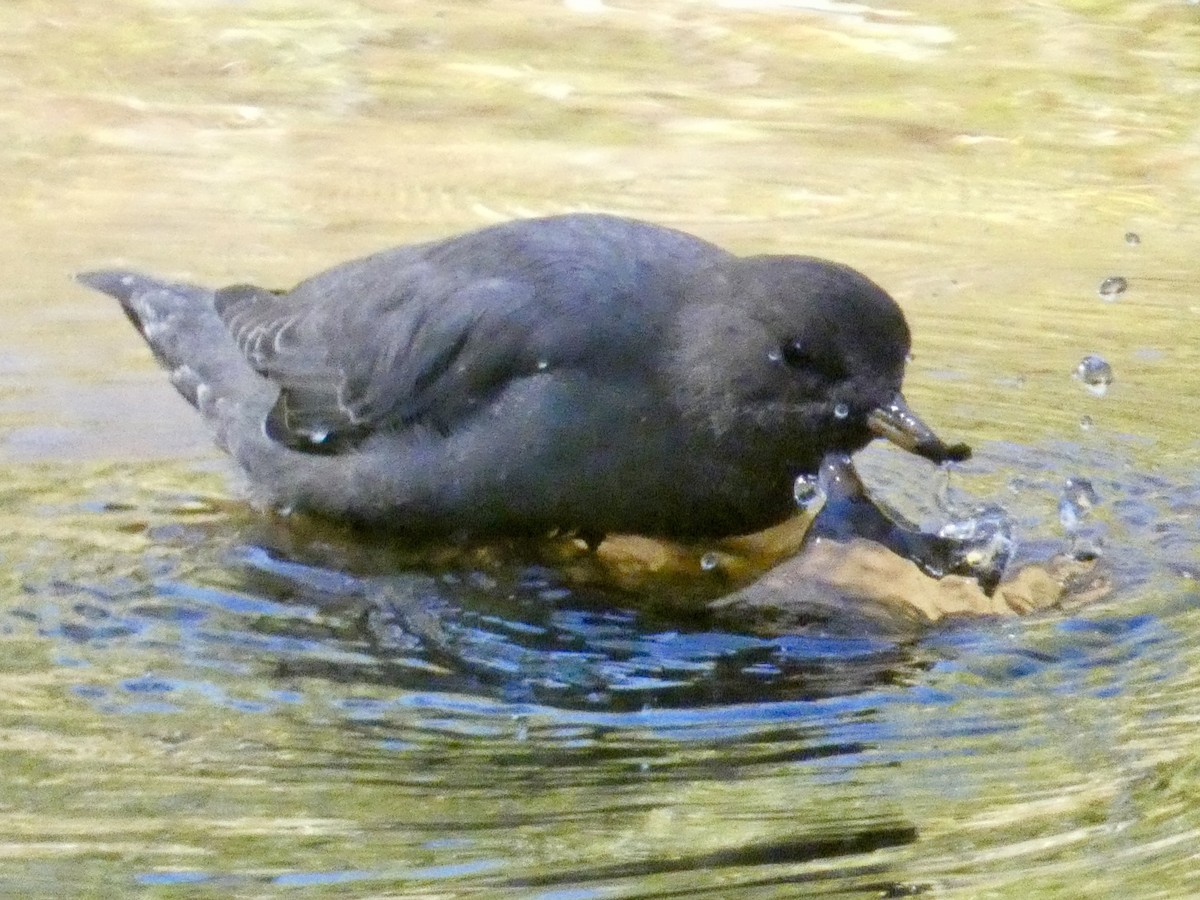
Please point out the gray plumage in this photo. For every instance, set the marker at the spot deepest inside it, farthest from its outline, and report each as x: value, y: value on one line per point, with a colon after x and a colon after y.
x: 584, y: 373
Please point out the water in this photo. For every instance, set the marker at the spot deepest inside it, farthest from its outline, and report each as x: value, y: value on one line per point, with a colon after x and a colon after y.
x: 1075, y: 505
x: 1113, y: 286
x: 1076, y: 502
x: 809, y: 494
x: 1095, y: 373
x: 204, y: 700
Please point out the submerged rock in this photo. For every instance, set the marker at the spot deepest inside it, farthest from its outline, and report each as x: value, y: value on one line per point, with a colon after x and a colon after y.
x: 859, y: 585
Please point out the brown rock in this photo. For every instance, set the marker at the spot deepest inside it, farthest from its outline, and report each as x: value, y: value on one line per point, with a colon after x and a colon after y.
x: 859, y: 586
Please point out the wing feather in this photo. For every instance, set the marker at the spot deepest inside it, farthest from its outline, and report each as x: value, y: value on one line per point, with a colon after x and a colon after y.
x: 426, y: 334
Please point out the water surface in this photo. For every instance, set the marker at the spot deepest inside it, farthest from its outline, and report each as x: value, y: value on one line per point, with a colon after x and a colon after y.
x: 202, y: 701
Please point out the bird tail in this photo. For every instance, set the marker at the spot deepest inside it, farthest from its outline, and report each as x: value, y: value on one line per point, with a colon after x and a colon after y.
x: 180, y: 324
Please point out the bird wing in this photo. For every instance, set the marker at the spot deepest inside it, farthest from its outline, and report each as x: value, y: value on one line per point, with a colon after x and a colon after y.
x: 423, y: 350
x: 427, y: 334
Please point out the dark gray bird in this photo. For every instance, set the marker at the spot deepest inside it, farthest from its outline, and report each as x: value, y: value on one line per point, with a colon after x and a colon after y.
x: 580, y: 373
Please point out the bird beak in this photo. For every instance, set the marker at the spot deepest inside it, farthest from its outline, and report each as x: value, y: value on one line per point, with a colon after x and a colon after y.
x: 900, y: 425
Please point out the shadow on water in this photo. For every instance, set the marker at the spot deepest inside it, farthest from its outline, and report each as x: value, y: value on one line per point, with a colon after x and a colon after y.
x: 498, y: 621
x: 525, y: 636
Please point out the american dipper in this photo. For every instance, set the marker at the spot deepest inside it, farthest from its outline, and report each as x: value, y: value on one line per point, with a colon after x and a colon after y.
x: 576, y: 373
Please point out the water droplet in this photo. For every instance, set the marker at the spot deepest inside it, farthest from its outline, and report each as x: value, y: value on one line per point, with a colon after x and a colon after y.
x: 1096, y: 373
x: 1132, y: 238
x: 1086, y: 423
x: 808, y: 494
x: 1075, y: 503
x: 1081, y: 491
x: 710, y: 562
x: 542, y: 365
x: 979, y: 544
x: 1113, y: 286
x: 841, y: 411
x: 775, y: 355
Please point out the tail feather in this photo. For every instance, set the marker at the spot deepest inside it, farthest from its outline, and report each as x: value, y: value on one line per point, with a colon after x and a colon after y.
x: 118, y: 284
x: 180, y: 324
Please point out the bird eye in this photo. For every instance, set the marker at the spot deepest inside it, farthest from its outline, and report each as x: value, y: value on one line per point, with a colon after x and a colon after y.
x: 798, y: 356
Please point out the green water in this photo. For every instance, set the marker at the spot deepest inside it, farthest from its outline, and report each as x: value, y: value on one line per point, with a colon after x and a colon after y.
x: 198, y: 702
